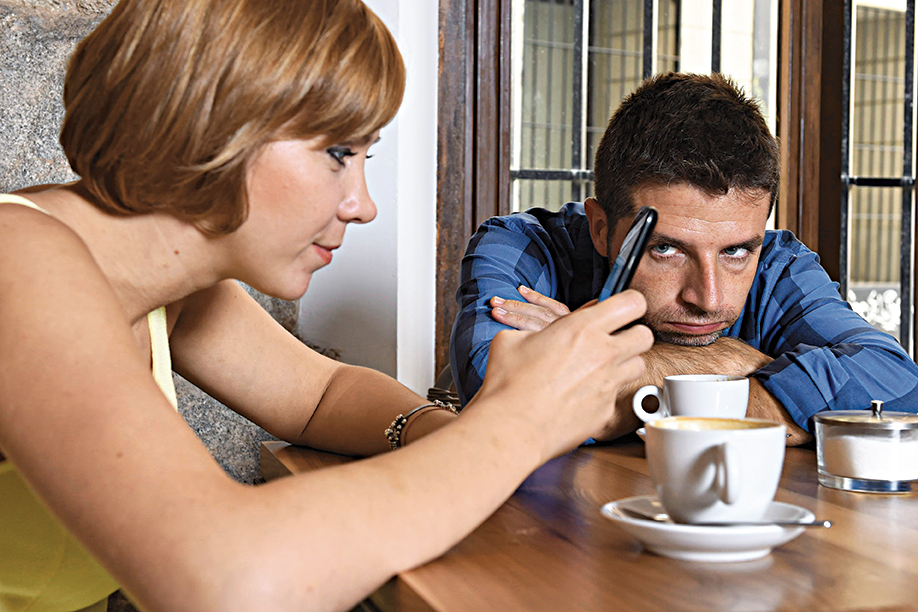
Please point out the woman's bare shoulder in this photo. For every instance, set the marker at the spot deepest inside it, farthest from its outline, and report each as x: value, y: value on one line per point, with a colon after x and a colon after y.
x: 36, y: 248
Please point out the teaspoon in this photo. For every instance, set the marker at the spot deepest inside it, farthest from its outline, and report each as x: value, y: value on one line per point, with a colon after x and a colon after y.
x: 662, y: 517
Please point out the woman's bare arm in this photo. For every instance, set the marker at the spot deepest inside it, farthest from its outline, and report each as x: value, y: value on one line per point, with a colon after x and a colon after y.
x: 228, y: 345
x: 83, y: 421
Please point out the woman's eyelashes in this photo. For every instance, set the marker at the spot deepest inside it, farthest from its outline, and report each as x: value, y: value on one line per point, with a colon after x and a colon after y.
x: 340, y: 153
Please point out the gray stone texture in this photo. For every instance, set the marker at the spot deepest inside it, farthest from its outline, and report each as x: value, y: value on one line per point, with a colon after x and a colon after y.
x: 36, y: 39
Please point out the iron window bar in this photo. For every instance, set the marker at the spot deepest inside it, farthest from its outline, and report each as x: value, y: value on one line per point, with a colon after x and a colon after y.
x: 553, y: 175
x: 906, y: 182
x: 579, y: 88
x: 715, y: 36
x: 647, y: 68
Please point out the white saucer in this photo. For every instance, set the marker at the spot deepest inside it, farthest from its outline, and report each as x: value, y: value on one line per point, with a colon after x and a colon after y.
x: 712, y: 544
x: 642, y: 434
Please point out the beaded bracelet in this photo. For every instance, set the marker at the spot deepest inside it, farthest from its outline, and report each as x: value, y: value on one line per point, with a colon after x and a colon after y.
x: 394, y: 432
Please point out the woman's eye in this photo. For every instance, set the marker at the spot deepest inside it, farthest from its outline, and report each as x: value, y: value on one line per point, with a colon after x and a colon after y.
x: 340, y: 153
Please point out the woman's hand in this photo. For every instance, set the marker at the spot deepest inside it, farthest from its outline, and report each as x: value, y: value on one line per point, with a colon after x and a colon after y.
x: 559, y: 385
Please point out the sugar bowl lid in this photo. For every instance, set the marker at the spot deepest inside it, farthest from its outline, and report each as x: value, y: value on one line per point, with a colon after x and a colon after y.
x: 875, y: 418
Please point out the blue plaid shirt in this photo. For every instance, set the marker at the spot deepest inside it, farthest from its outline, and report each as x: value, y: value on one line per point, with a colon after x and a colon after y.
x: 825, y: 355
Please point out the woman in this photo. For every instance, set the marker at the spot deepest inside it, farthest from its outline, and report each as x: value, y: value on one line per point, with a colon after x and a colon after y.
x: 220, y: 140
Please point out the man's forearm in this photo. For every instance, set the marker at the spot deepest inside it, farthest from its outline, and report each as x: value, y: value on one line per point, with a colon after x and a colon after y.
x: 727, y: 356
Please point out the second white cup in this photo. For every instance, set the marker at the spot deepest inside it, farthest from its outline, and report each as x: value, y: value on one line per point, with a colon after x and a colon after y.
x: 698, y: 395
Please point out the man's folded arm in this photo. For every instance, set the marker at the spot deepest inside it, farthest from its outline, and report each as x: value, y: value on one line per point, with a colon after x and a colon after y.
x: 497, y: 261
x: 826, y: 357
x: 844, y: 376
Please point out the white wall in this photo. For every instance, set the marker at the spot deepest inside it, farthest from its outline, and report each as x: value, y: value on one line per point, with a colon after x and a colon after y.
x: 375, y: 303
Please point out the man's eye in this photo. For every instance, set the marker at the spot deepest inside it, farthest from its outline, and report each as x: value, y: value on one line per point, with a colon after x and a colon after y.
x: 340, y: 153
x: 736, y: 252
x: 663, y: 249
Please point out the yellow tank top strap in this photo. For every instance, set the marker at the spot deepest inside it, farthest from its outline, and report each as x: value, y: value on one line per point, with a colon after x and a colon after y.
x: 156, y: 321
x: 162, y: 360
x: 9, y: 198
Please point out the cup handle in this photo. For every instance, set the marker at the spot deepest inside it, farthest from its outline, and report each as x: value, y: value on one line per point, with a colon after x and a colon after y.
x: 638, y: 400
x: 729, y: 482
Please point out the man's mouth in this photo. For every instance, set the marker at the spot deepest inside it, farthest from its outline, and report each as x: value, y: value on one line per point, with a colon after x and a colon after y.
x: 696, y: 329
x: 687, y: 333
x: 688, y: 328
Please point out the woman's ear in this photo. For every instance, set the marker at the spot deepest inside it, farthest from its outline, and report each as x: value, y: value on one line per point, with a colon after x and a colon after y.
x: 599, y: 228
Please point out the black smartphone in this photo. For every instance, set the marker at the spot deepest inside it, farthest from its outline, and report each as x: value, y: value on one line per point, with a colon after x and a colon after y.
x: 629, y: 256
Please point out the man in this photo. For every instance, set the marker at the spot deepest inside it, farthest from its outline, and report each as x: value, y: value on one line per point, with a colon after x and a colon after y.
x: 723, y: 295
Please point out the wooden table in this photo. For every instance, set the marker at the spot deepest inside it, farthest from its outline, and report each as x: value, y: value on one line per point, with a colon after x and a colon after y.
x: 549, y: 548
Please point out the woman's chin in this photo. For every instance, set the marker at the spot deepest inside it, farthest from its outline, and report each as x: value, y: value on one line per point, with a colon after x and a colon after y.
x: 289, y: 292
x: 296, y: 292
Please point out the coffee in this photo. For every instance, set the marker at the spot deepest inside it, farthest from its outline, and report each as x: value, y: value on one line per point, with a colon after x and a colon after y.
x: 704, y: 424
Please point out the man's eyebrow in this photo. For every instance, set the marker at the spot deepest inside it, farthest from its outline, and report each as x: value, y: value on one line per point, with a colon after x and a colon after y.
x: 752, y: 244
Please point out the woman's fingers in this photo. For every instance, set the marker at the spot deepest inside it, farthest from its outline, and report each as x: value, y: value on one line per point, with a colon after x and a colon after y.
x: 639, y: 336
x: 562, y: 384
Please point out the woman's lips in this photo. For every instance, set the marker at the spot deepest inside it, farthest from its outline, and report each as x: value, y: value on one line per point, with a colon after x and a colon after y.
x: 325, y: 253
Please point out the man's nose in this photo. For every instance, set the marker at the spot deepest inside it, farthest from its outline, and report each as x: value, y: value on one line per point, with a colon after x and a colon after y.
x: 703, y: 287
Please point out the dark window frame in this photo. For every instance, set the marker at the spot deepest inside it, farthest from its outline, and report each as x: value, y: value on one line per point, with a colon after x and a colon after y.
x: 473, y: 153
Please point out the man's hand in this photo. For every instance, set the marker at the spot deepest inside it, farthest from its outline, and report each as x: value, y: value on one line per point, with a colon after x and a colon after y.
x: 763, y: 405
x: 535, y: 314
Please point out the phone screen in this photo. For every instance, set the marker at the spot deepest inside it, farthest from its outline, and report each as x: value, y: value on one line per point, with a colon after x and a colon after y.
x: 629, y: 256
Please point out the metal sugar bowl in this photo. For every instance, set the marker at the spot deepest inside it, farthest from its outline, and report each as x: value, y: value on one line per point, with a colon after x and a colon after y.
x: 867, y: 451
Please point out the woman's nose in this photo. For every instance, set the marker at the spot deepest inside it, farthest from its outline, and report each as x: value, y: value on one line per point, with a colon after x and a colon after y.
x: 358, y: 207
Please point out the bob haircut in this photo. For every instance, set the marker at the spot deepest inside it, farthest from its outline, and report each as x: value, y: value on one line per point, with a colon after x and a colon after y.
x: 694, y: 129
x: 167, y: 103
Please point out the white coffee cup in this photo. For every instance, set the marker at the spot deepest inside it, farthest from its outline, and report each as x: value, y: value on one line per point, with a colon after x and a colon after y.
x: 702, y: 395
x: 713, y: 470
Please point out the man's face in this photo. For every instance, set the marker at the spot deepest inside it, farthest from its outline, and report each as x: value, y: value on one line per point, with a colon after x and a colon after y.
x: 700, y: 262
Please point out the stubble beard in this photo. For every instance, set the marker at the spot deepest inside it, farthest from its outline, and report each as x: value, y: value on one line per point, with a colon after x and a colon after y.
x: 685, y: 339
x: 655, y: 321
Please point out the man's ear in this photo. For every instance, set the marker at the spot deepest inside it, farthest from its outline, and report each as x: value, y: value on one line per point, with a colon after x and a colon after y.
x: 599, y: 228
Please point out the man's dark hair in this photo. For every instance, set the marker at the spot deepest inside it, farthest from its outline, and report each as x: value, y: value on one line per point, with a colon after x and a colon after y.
x: 684, y: 128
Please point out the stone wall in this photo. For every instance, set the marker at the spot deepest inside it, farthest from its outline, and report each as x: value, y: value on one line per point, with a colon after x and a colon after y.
x: 36, y: 38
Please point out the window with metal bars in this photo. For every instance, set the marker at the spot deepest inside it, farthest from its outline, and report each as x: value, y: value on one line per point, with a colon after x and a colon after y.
x: 878, y: 175
x: 574, y: 60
